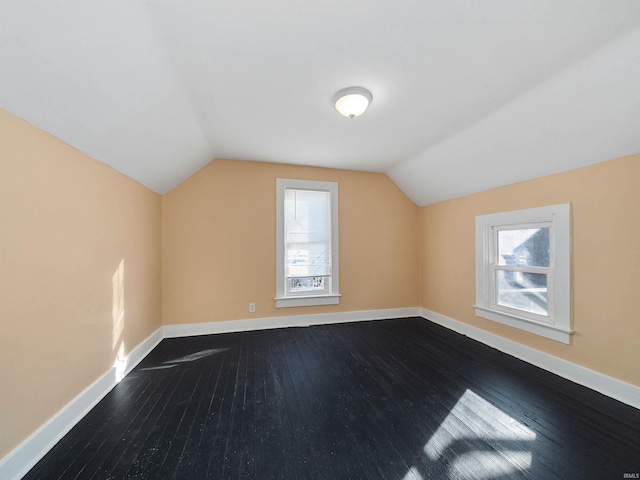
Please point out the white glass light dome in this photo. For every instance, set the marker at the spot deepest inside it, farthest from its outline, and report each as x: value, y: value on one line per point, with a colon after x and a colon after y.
x: 352, y: 102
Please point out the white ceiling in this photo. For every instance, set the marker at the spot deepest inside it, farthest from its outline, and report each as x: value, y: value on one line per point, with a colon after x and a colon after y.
x: 468, y: 95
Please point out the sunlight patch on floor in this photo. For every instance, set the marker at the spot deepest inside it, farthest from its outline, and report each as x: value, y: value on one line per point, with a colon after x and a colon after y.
x: 478, y: 440
x: 487, y: 465
x: 413, y: 474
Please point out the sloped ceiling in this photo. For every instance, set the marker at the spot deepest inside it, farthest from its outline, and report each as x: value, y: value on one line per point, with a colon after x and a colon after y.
x: 468, y: 95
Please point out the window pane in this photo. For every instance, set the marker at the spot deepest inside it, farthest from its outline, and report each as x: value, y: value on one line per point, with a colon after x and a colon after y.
x: 307, y: 284
x: 527, y: 247
x: 522, y: 290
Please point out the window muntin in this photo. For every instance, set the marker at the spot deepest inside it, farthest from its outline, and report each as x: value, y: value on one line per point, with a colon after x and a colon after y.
x: 523, y: 270
x: 307, y: 243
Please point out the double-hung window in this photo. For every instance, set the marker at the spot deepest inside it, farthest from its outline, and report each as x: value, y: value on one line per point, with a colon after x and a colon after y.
x: 307, y: 243
x: 523, y: 270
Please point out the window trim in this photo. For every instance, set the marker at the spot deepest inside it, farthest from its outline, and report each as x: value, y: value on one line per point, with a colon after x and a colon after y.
x: 301, y: 300
x: 557, y: 325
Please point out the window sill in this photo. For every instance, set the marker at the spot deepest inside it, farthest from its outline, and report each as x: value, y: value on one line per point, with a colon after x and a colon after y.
x: 544, y: 330
x: 307, y: 300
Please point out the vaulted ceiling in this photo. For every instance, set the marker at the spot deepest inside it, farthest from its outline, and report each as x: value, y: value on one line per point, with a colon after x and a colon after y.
x: 467, y: 95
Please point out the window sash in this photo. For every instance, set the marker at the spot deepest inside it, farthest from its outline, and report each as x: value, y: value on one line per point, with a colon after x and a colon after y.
x: 495, y: 247
x: 494, y: 291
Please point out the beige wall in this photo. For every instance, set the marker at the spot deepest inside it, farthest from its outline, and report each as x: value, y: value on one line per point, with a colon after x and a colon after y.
x: 606, y: 261
x: 80, y: 274
x: 219, y: 243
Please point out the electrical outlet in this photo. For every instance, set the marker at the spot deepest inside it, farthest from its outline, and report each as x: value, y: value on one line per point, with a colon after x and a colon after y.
x: 252, y: 308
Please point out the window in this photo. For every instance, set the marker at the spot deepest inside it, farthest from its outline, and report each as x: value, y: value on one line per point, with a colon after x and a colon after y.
x: 307, y: 243
x: 523, y: 275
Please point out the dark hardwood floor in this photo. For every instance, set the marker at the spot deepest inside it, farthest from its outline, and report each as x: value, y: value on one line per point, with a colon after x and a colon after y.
x: 393, y: 399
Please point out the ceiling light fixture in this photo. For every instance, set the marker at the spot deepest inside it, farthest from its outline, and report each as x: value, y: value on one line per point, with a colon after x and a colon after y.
x: 352, y: 102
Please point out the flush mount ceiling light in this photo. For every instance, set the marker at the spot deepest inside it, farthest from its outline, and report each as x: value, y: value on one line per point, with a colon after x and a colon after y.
x: 353, y: 101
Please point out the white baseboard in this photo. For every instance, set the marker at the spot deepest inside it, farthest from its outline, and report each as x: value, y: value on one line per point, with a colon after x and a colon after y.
x: 21, y: 459
x: 609, y: 386
x: 191, y: 329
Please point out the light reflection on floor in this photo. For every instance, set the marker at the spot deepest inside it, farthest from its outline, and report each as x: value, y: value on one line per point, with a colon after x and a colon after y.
x: 187, y: 358
x: 478, y: 440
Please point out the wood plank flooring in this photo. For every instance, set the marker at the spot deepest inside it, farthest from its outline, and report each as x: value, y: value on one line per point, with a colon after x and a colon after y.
x: 394, y: 399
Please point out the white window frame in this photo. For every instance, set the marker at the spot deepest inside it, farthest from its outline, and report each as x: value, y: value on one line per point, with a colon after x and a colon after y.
x: 557, y: 324
x: 332, y: 295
